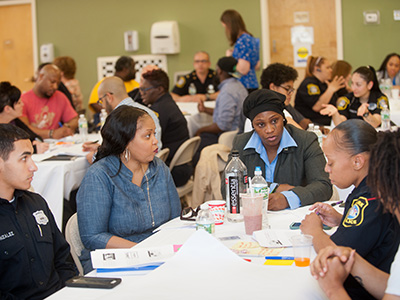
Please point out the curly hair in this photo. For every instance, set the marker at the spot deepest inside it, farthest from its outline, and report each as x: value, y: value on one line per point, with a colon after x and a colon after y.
x: 384, y: 173
x: 277, y: 74
x: 156, y: 78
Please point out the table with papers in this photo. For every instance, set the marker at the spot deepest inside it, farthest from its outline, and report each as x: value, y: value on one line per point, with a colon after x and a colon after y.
x: 55, y: 179
x: 205, y: 267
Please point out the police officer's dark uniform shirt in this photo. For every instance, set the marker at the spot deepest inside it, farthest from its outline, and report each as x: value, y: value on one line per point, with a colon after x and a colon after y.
x: 182, y: 86
x: 374, y: 235
x: 349, y: 104
x: 308, y: 93
x: 33, y: 251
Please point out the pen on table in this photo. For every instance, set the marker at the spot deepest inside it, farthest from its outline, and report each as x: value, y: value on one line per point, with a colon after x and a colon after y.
x: 65, y: 124
x: 337, y: 203
x: 94, y: 142
x: 275, y: 188
x: 280, y: 257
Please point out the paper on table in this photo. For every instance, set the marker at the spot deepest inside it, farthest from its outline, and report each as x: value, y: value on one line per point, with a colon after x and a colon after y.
x: 274, y: 238
x: 122, y: 258
x: 253, y: 249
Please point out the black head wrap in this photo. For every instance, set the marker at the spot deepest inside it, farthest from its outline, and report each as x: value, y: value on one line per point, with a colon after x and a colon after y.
x: 263, y: 100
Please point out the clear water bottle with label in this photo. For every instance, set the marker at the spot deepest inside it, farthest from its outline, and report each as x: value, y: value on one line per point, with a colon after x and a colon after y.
x: 235, y: 183
x: 83, y: 128
x: 385, y: 117
x: 318, y: 132
x: 310, y: 127
x: 103, y: 117
x: 205, y: 219
x: 192, y: 89
x: 260, y: 186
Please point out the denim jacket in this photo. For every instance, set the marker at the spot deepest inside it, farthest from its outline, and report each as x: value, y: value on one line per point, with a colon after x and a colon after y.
x: 110, y: 205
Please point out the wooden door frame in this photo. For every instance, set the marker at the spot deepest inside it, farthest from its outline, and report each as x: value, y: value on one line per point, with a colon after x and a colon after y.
x: 34, y: 26
x: 266, y: 45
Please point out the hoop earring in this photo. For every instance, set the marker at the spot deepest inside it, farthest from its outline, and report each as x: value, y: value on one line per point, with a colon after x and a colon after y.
x: 127, y: 155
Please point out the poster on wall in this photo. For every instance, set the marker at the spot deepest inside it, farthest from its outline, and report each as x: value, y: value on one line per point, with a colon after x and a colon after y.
x: 302, y: 38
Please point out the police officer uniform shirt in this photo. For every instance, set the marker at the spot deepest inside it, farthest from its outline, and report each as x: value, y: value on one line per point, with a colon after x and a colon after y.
x: 182, y: 86
x: 349, y: 104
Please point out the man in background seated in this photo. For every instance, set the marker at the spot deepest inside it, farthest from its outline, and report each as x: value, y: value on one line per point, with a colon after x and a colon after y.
x: 280, y: 78
x: 33, y: 260
x: 154, y: 92
x: 113, y: 95
x: 47, y: 111
x: 228, y: 107
x: 124, y: 69
x: 203, y: 78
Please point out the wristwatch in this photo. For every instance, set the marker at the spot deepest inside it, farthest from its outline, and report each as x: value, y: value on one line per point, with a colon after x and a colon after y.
x: 51, y: 133
x: 207, y: 97
x: 366, y: 114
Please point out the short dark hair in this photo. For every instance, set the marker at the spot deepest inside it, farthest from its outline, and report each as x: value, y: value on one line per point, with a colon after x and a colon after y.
x: 384, y: 177
x: 277, y: 74
x: 357, y: 136
x: 9, y: 134
x: 9, y: 95
x: 385, y: 61
x: 118, y: 130
x: 124, y: 62
x: 67, y: 65
x: 157, y: 78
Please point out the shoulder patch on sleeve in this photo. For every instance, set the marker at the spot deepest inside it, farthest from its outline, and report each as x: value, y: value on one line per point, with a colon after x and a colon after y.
x: 313, y: 89
x: 181, y: 82
x: 382, y: 101
x: 355, y: 215
x: 342, y: 103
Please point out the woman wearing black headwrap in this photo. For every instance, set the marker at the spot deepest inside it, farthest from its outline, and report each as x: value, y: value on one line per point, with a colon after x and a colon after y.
x: 288, y: 156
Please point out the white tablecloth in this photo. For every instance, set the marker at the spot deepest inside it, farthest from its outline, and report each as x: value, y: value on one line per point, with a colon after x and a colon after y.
x: 55, y: 180
x: 182, y: 281
x: 195, y: 119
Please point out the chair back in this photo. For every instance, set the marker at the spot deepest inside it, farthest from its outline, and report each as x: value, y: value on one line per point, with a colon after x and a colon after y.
x: 227, y: 137
x: 74, y: 240
x: 163, y: 154
x: 185, y: 152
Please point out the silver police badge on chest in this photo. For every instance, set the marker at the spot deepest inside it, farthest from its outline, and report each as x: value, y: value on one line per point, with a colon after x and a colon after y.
x: 40, y: 217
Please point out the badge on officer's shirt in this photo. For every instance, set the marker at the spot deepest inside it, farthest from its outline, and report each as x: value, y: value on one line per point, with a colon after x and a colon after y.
x: 355, y: 215
x: 181, y: 82
x: 382, y: 102
x: 342, y: 103
x: 313, y: 89
x: 40, y: 217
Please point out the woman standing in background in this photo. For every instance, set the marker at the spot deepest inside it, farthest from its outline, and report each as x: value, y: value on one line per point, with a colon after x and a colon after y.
x: 246, y: 48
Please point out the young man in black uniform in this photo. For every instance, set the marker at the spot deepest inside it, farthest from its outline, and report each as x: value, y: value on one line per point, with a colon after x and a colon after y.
x: 33, y: 252
x: 203, y: 79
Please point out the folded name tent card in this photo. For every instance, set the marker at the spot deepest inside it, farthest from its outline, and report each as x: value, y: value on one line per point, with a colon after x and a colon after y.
x: 274, y: 238
x: 128, y: 258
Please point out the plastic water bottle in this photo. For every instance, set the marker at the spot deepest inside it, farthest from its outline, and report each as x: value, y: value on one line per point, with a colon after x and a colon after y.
x: 83, y: 127
x: 235, y: 183
x: 205, y: 219
x: 192, y: 89
x: 103, y: 117
x: 318, y: 132
x: 385, y: 117
x: 210, y: 89
x: 259, y: 185
x: 310, y: 127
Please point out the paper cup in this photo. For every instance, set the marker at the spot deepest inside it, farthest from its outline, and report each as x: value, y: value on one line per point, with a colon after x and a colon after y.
x: 217, y: 208
x: 302, y: 249
x: 395, y: 93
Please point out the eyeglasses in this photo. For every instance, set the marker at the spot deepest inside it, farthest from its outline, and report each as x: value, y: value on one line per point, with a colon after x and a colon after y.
x: 289, y: 90
x: 100, y: 101
x: 147, y: 89
x: 189, y: 214
x: 202, y: 61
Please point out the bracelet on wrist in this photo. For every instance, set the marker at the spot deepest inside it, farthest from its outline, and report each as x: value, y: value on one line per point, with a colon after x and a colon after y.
x: 207, y: 97
x: 51, y: 133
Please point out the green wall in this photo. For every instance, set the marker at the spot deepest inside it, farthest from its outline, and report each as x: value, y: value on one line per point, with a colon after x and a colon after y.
x: 86, y: 29
x: 369, y: 44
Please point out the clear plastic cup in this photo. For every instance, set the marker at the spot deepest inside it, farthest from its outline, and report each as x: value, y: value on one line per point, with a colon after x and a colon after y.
x: 302, y: 249
x: 252, y: 212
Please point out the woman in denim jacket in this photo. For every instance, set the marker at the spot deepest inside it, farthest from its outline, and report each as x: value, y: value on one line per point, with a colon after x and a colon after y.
x: 127, y: 192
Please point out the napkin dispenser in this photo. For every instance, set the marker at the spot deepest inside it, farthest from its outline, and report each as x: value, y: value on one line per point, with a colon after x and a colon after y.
x: 165, y: 38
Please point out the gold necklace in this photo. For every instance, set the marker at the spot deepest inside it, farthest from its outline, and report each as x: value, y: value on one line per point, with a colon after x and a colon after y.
x: 148, y: 199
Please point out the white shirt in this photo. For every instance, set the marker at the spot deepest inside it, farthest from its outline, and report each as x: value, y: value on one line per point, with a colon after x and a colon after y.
x: 393, y: 285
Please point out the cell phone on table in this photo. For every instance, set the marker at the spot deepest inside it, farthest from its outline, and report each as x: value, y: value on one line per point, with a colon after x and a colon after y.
x: 93, y: 282
x: 296, y: 225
